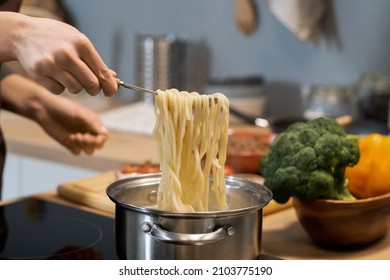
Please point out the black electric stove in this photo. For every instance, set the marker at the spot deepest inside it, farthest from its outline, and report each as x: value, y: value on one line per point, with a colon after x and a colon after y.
x: 38, y: 229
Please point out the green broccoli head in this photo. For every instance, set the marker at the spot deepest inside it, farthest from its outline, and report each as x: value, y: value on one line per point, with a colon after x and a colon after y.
x: 308, y: 161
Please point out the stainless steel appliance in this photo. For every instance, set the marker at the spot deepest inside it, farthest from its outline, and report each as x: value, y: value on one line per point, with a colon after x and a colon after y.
x: 168, y: 61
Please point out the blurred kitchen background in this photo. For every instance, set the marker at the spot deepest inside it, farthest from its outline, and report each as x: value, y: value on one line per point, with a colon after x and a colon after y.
x: 355, y: 41
x: 340, y: 65
x: 272, y: 51
x: 329, y: 58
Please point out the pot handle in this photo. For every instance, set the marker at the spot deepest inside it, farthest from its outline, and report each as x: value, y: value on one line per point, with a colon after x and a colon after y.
x: 187, y: 239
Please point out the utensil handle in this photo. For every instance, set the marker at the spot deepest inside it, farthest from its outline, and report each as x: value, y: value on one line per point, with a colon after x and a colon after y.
x: 197, y: 239
x: 133, y: 87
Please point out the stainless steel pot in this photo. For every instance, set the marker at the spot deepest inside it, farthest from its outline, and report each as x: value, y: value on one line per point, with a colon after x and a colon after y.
x: 145, y: 232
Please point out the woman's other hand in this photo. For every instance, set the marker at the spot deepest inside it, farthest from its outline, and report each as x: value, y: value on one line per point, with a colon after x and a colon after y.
x: 73, y: 125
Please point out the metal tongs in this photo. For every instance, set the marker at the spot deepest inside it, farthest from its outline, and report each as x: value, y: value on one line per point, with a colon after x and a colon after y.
x: 136, y: 88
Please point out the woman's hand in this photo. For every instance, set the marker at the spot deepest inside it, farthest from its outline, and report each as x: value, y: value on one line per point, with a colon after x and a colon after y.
x: 71, y: 124
x: 56, y: 55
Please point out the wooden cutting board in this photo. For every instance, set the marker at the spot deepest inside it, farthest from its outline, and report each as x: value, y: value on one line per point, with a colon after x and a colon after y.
x: 91, y: 192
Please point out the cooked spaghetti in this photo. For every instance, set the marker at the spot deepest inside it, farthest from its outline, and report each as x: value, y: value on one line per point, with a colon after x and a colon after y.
x: 191, y: 131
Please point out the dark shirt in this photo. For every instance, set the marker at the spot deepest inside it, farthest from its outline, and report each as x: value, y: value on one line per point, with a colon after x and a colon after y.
x: 5, y: 5
x: 10, y: 5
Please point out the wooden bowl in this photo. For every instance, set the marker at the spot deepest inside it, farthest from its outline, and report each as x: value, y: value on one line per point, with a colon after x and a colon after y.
x: 344, y: 224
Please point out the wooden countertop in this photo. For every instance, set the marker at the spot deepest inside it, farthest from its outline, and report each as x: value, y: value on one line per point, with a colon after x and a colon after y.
x: 25, y: 137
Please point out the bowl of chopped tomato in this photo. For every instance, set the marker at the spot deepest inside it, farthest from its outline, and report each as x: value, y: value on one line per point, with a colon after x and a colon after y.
x: 246, y: 146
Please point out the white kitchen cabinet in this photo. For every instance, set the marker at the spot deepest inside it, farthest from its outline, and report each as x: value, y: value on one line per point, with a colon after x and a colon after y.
x: 26, y: 175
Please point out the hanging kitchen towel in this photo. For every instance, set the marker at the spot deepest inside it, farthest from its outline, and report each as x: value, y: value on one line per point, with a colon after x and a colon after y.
x: 302, y: 17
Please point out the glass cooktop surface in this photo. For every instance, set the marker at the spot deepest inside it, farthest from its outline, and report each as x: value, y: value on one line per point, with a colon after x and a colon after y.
x: 38, y: 229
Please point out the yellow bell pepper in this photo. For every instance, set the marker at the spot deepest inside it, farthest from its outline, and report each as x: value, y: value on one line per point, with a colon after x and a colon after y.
x: 371, y: 176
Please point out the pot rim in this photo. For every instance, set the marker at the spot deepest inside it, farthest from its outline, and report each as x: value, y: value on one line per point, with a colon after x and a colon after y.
x: 263, y: 194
